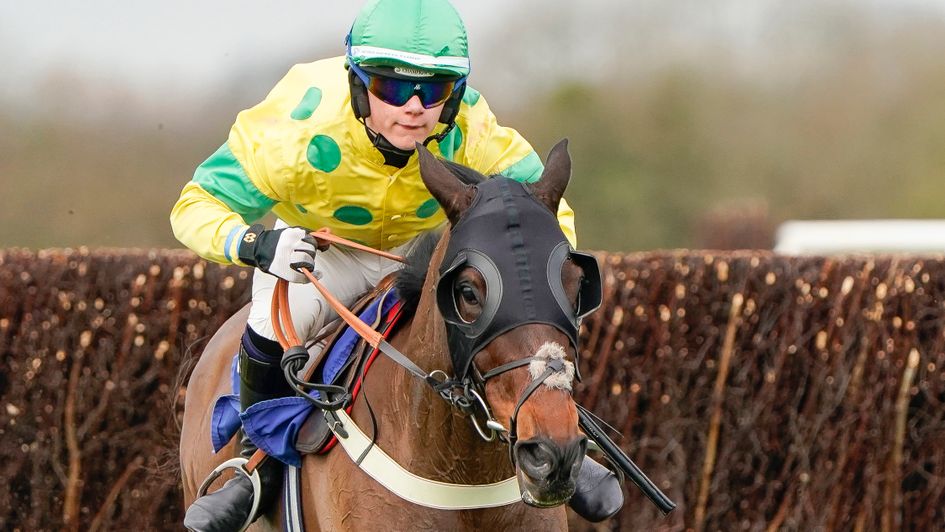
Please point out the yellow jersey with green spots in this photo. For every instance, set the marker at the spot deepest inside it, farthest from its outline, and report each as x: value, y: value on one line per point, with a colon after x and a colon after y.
x: 303, y: 155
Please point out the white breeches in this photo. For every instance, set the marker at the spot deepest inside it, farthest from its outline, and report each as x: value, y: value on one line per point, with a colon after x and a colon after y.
x: 346, y: 272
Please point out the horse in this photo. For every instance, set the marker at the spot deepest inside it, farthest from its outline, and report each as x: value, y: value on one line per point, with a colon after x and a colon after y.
x: 426, y: 435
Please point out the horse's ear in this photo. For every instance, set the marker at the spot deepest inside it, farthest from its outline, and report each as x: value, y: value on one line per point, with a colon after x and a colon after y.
x: 448, y: 190
x: 550, y: 187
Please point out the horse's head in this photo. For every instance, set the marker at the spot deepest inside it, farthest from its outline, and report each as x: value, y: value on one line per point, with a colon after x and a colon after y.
x: 512, y: 293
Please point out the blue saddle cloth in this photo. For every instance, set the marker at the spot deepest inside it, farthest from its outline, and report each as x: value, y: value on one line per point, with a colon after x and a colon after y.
x: 274, y: 425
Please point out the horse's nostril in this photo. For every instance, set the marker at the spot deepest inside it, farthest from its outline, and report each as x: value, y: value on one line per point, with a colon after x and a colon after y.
x: 576, y: 451
x: 536, y: 458
x: 543, y: 460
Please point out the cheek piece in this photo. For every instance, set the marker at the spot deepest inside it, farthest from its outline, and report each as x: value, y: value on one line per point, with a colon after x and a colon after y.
x: 517, y: 246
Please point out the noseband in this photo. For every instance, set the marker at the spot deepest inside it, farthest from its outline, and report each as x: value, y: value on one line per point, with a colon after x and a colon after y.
x: 551, y: 356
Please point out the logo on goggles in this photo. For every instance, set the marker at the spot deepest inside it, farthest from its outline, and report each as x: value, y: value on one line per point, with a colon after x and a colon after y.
x: 412, y: 72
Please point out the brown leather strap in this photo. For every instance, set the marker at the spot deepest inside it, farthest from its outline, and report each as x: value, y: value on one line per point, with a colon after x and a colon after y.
x: 324, y: 236
x: 281, y: 316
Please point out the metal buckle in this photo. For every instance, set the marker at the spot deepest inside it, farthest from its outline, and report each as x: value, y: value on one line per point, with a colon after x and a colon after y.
x: 447, y: 393
x: 467, y: 402
x: 239, y: 466
x: 335, y: 425
x: 492, y: 425
x: 436, y: 372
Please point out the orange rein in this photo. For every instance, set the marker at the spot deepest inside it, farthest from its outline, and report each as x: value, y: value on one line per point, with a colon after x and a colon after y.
x: 281, y: 316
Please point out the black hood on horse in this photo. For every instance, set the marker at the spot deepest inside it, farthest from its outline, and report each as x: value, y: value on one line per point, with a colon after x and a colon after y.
x: 523, y: 275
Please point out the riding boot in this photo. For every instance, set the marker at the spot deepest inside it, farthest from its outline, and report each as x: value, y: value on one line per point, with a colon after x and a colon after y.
x: 228, y: 508
x: 597, y: 494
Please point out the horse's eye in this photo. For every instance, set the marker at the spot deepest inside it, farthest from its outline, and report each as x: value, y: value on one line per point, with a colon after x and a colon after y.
x: 469, y: 295
x: 468, y: 301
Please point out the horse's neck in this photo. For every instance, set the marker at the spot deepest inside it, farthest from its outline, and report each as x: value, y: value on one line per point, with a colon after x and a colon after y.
x: 440, y: 437
x: 433, y: 438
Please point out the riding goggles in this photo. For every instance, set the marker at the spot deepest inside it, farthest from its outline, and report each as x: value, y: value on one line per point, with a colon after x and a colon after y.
x: 397, y: 92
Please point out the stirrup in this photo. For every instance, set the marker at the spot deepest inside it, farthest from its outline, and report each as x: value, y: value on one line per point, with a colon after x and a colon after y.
x: 238, y: 464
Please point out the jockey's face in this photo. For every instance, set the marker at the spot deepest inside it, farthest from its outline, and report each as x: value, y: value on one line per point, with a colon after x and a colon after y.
x: 403, y: 126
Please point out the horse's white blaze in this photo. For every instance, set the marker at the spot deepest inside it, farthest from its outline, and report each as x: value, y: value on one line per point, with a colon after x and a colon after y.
x: 560, y: 380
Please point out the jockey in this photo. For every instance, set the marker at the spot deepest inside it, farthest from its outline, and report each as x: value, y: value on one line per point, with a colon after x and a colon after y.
x: 332, y: 145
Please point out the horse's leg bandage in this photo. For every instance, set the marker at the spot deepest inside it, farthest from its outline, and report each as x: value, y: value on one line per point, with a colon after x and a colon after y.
x: 560, y: 380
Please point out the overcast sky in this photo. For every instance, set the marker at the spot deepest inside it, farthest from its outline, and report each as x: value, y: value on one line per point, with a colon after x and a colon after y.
x: 192, y: 45
x: 170, y: 42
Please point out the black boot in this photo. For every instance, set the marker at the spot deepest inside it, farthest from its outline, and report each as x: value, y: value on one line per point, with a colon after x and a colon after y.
x: 228, y: 508
x: 597, y: 494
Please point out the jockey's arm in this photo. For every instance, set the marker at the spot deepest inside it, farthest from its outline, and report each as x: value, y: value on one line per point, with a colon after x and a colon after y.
x: 218, y: 205
x: 236, y: 186
x: 229, y: 191
x: 206, y: 225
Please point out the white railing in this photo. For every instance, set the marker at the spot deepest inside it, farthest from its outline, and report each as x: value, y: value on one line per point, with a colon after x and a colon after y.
x: 860, y: 236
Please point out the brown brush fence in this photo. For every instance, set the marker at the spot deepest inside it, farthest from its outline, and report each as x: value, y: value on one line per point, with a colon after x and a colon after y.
x: 759, y: 392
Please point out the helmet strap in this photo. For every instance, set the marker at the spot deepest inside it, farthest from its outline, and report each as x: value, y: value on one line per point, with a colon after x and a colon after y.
x: 393, y: 156
x: 440, y: 136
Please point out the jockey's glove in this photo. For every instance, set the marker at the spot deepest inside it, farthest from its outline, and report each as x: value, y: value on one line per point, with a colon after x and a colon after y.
x: 280, y: 252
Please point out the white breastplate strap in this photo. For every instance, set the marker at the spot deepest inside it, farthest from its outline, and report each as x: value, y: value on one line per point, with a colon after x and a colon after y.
x: 418, y: 490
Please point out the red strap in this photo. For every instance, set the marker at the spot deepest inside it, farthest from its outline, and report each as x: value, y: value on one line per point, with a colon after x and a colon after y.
x: 393, y: 316
x: 281, y: 316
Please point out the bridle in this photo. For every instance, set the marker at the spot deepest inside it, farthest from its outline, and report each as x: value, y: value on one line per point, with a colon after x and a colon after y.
x: 461, y: 393
x: 466, y: 393
x: 523, y: 279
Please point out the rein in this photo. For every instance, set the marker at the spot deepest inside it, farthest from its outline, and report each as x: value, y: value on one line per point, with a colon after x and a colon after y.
x: 296, y: 354
x: 467, y: 400
x: 463, y: 394
x: 372, y: 460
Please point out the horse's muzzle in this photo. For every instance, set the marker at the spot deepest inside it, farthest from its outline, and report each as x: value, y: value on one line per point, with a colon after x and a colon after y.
x: 547, y: 471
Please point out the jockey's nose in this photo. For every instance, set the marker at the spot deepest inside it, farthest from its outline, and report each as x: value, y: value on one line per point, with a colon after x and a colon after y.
x: 414, y: 105
x: 546, y: 462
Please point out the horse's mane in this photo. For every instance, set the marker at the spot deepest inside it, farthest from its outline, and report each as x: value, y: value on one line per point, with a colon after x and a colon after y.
x: 465, y: 174
x: 410, y: 279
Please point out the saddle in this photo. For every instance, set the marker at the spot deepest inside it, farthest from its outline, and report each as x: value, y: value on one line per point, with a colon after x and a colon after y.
x: 345, y: 359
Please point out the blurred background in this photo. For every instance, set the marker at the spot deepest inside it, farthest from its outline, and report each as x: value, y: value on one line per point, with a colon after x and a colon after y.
x: 692, y: 124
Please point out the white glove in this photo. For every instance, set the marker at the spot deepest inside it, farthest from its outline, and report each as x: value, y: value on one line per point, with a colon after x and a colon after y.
x: 280, y: 252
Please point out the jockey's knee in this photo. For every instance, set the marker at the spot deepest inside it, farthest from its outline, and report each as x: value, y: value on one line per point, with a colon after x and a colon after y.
x: 308, y: 319
x: 259, y: 347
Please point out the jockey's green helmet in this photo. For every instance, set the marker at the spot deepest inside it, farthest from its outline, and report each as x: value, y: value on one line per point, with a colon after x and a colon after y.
x: 410, y: 37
